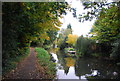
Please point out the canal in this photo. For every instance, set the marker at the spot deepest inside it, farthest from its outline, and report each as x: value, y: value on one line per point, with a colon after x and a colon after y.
x: 84, y: 68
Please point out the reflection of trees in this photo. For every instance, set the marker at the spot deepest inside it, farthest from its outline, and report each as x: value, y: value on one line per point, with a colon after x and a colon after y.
x: 66, y: 62
x: 85, y: 66
x: 66, y: 70
x: 106, y: 69
x: 53, y: 50
x: 81, y: 67
x: 61, y: 56
x: 69, y: 61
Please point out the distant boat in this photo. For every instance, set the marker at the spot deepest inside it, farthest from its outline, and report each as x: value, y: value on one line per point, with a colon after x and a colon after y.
x: 71, y: 53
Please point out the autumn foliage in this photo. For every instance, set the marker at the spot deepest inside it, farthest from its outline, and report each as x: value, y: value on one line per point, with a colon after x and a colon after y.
x: 71, y: 40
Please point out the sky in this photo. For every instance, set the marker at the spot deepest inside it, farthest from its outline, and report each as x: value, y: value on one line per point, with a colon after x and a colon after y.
x: 78, y: 28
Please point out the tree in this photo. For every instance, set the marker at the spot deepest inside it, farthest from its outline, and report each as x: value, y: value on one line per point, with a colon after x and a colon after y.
x: 71, y: 40
x: 84, y: 46
x: 69, y: 29
x: 24, y: 23
x: 93, y: 9
x: 52, y: 35
x: 63, y: 35
x: 106, y: 28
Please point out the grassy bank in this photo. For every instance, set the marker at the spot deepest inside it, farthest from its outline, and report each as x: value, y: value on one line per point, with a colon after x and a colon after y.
x: 44, y: 61
x: 11, y: 64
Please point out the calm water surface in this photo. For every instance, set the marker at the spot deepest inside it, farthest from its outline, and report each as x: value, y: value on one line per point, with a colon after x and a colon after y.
x: 84, y: 68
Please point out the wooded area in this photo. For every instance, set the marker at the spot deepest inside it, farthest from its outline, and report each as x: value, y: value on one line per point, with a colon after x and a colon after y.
x: 28, y: 24
x: 36, y: 24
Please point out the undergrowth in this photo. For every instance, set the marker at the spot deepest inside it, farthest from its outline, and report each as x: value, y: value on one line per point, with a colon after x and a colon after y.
x: 12, y: 62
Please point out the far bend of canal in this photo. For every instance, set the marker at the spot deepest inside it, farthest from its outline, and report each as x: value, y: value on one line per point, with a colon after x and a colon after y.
x: 84, y: 68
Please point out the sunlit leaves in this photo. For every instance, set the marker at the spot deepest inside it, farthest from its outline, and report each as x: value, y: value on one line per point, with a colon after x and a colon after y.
x: 71, y: 39
x: 106, y: 27
x: 63, y: 35
x: 42, y: 16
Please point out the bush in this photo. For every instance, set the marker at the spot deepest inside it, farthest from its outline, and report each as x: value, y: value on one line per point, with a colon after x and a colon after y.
x: 12, y: 62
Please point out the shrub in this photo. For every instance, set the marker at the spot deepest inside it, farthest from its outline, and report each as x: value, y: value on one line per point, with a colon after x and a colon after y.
x: 12, y: 62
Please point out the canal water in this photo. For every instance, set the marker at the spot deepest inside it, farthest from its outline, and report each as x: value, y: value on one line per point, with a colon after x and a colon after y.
x: 84, y: 68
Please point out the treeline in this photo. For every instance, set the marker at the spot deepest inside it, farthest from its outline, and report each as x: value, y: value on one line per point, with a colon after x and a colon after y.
x: 66, y: 38
x: 106, y: 30
x: 26, y: 24
x: 104, y: 38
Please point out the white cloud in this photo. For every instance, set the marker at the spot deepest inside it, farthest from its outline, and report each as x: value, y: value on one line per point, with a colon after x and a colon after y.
x: 79, y: 28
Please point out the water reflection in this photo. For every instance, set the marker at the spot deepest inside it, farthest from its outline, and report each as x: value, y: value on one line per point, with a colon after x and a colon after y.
x: 84, y: 68
x: 65, y: 67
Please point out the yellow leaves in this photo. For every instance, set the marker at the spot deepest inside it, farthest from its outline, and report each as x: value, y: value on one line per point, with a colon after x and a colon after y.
x: 61, y: 8
x: 50, y: 24
x: 28, y: 8
x: 49, y: 21
x: 56, y: 28
x: 47, y: 38
x: 71, y: 39
x: 44, y: 36
x: 69, y: 61
x: 33, y: 39
x: 48, y: 12
x: 57, y: 22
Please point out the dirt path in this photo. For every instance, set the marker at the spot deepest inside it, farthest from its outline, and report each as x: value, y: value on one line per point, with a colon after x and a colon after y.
x: 27, y: 68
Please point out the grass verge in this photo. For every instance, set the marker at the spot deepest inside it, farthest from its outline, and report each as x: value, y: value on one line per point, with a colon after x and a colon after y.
x: 44, y: 61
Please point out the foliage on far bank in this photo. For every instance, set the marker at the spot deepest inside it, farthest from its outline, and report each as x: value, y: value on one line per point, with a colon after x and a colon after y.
x: 85, y: 46
x: 44, y: 61
x: 63, y: 36
x: 71, y: 40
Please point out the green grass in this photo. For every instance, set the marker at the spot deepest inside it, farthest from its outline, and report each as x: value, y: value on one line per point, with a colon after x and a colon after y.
x: 44, y: 61
x: 12, y: 62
